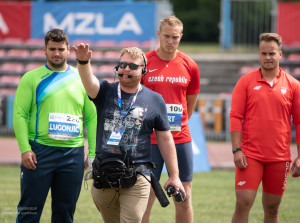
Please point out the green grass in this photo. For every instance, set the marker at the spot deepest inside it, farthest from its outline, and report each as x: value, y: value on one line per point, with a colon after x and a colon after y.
x: 213, y: 200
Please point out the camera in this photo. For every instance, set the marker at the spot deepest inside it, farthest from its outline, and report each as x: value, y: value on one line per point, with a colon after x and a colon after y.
x: 176, y: 193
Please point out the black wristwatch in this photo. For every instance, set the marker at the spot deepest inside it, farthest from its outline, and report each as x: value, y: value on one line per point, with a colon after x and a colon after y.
x: 235, y: 150
x: 83, y: 61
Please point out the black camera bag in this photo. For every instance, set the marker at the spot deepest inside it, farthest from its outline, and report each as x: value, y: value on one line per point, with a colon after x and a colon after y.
x: 113, y: 173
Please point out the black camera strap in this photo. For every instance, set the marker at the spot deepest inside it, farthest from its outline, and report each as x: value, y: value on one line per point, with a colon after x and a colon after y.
x: 142, y: 167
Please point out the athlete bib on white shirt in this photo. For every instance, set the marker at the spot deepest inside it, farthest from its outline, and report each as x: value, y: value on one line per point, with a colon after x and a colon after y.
x: 175, y: 116
x: 63, y: 126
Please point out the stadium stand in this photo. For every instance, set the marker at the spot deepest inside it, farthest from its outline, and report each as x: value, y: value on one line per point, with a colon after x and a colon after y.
x: 111, y: 55
x: 32, y: 66
x: 8, y: 79
x: 287, y: 50
x: 17, y: 53
x: 11, y: 42
x: 106, y: 44
x: 286, y: 69
x: 72, y: 55
x: 130, y: 43
x: 13, y: 68
x: 35, y: 54
x: 105, y: 71
x: 293, y: 57
x: 18, y: 56
x: 149, y: 44
x: 296, y: 72
x: 33, y: 43
x: 97, y: 55
x: 78, y: 41
x: 8, y: 84
x: 2, y: 53
x: 290, y: 62
x: 219, y: 72
x: 4, y: 91
x: 246, y: 69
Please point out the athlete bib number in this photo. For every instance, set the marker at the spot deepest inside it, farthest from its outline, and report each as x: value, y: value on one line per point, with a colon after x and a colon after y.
x: 175, y: 116
x: 63, y: 126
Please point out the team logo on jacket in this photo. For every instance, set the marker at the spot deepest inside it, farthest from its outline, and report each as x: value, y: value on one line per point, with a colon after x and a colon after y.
x: 283, y: 90
x: 257, y: 88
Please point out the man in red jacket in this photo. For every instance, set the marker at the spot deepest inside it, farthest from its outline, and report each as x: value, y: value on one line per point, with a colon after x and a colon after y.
x: 263, y: 102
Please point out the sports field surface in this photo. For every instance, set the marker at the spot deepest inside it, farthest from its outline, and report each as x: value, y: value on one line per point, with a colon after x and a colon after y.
x: 213, y: 192
x: 213, y: 200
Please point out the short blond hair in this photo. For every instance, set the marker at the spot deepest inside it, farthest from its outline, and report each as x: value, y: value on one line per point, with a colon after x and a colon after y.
x: 268, y: 37
x: 134, y: 52
x: 171, y: 21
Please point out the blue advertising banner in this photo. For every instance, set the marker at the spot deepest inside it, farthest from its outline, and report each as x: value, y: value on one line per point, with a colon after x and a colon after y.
x: 96, y: 20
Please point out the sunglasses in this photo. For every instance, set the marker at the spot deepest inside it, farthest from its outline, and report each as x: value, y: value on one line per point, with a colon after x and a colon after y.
x: 132, y: 66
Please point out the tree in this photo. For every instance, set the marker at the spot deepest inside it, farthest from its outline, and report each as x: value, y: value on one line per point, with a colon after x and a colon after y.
x: 200, y: 19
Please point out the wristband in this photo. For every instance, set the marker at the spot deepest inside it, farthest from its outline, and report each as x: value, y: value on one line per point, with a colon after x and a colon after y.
x: 235, y: 150
x: 83, y: 61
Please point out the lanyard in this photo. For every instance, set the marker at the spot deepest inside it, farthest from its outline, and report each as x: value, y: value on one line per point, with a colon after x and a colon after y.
x: 123, y: 115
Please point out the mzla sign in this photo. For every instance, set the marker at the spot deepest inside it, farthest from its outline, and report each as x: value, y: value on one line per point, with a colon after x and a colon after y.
x: 96, y: 21
x: 92, y: 24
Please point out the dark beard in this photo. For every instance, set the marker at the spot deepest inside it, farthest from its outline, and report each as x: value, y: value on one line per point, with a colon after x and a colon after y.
x: 56, y: 66
x: 60, y: 65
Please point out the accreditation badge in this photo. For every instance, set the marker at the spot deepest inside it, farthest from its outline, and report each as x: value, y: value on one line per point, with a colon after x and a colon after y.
x: 63, y: 126
x: 175, y: 116
x: 116, y: 135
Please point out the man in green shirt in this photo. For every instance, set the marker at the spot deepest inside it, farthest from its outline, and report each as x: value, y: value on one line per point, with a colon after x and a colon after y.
x: 48, y: 124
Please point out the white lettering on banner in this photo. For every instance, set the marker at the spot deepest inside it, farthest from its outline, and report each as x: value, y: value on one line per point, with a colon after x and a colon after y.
x: 3, y: 27
x: 86, y: 19
x: 50, y: 22
x: 99, y: 26
x: 128, y: 22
